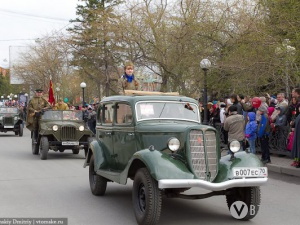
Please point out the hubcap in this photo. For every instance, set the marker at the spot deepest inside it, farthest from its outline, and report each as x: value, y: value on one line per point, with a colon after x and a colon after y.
x: 142, y: 198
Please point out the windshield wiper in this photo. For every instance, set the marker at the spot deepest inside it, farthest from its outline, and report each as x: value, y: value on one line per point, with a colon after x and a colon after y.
x: 162, y: 110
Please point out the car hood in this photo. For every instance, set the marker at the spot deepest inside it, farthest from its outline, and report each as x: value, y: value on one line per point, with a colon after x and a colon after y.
x: 159, y: 133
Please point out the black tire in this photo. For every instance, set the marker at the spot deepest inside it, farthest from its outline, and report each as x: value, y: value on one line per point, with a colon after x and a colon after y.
x: 44, y: 148
x: 20, y: 130
x: 75, y: 151
x: 34, y: 143
x: 146, y: 198
x: 98, y: 183
x: 61, y: 150
x: 249, y: 195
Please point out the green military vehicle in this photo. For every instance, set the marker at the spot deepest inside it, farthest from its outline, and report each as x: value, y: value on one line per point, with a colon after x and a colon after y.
x: 11, y: 120
x: 60, y: 130
x: 160, y: 143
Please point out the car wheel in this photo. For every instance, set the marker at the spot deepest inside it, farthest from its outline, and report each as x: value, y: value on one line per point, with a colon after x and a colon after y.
x: 146, y: 198
x: 75, y: 151
x: 34, y: 143
x: 61, y: 150
x: 97, y: 183
x: 249, y: 195
x: 20, y: 130
x: 44, y: 148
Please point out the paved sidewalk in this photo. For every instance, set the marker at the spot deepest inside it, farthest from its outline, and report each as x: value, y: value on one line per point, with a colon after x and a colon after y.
x: 282, y: 164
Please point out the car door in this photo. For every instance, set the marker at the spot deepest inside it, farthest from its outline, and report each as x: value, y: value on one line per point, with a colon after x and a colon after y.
x: 123, y: 136
x: 104, y: 132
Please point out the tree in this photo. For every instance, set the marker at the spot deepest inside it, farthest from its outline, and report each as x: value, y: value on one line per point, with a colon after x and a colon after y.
x: 94, y: 42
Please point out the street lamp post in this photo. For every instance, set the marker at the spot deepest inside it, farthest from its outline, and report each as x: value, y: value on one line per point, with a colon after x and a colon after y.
x: 26, y: 96
x: 83, y: 86
x: 205, y: 65
x: 57, y: 91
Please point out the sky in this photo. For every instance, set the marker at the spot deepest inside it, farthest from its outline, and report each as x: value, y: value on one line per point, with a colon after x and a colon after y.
x: 24, y: 21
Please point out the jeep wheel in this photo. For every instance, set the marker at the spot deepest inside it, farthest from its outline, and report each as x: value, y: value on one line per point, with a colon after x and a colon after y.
x: 146, y: 198
x: 75, y: 151
x: 97, y: 183
x: 20, y: 130
x: 44, y: 148
x: 34, y: 143
x: 249, y: 195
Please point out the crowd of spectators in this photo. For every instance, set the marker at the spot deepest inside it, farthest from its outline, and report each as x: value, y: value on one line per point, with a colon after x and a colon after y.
x: 262, y: 117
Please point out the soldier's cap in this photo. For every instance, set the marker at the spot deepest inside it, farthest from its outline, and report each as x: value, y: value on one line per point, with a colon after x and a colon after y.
x: 39, y: 90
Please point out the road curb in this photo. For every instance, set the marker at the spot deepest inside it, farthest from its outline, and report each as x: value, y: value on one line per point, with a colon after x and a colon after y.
x: 284, y: 170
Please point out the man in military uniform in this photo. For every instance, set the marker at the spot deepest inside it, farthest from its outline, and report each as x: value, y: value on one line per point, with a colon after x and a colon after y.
x: 60, y: 105
x: 34, y: 108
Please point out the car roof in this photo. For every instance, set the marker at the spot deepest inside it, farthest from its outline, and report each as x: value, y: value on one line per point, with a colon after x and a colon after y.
x: 134, y: 99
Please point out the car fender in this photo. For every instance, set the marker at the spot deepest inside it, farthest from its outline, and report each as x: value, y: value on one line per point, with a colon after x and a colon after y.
x: 241, y: 159
x: 160, y: 165
x: 96, y: 149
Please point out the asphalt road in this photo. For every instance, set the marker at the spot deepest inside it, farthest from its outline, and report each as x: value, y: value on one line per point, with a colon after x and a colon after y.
x: 59, y: 187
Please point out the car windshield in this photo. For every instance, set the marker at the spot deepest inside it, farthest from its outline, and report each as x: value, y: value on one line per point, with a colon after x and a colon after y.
x: 62, y: 115
x: 167, y: 110
x: 8, y: 110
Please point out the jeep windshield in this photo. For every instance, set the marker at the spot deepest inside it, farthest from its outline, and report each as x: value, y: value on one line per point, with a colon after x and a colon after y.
x: 62, y: 115
x: 9, y: 110
x: 167, y: 110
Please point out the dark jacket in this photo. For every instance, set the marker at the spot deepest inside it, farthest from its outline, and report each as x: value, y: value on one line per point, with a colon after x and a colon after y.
x: 263, y: 126
x: 239, y: 108
x: 281, y: 120
x: 296, y: 143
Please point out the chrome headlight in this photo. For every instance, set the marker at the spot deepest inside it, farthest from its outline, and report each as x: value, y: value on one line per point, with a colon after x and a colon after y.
x: 55, y: 127
x: 81, y: 128
x: 173, y: 144
x: 234, y: 146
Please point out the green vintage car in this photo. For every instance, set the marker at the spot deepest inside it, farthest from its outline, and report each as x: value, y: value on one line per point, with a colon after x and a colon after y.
x: 10, y: 120
x: 60, y: 130
x: 160, y: 143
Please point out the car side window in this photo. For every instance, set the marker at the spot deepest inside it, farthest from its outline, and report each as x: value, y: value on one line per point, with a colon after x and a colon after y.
x: 108, y: 114
x: 124, y: 114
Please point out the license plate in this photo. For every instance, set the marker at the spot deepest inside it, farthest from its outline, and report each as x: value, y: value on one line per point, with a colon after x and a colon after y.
x: 70, y: 143
x: 250, y: 172
x: 8, y: 126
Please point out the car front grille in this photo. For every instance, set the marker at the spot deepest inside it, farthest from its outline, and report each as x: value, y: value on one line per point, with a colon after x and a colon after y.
x: 68, y: 133
x: 203, y: 150
x: 8, y: 121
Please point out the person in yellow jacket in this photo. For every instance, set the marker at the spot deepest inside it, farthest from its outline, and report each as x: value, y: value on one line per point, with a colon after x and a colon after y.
x: 60, y: 105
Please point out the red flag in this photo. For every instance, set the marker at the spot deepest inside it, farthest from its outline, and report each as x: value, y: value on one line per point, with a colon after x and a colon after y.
x: 51, y: 99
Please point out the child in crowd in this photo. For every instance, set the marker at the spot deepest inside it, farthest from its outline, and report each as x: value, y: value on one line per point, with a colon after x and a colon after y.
x: 250, y: 132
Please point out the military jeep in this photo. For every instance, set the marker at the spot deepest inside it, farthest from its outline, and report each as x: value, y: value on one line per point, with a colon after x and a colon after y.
x: 60, y: 130
x: 160, y: 143
x: 10, y: 120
